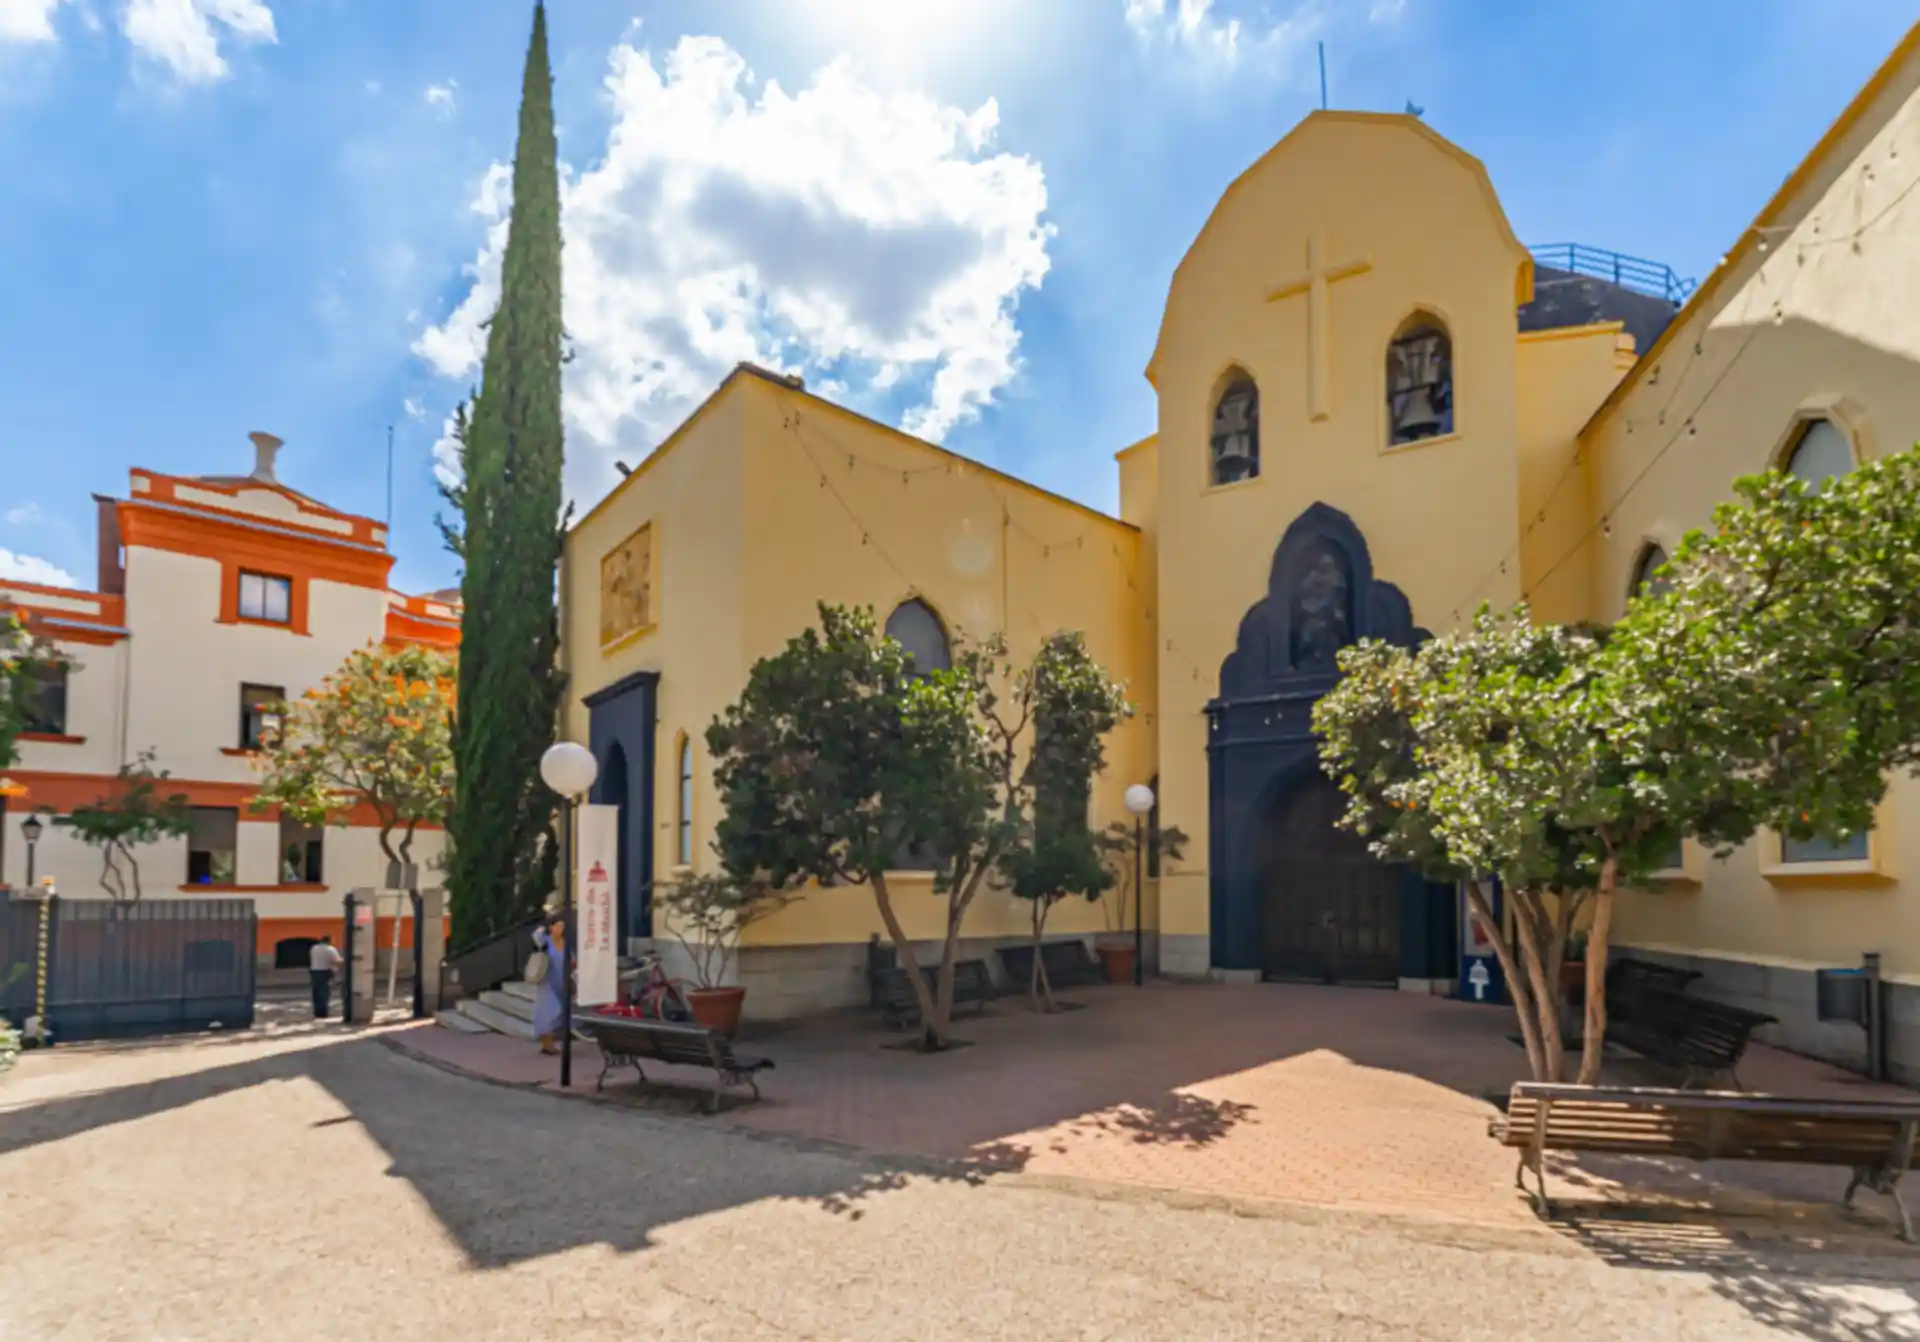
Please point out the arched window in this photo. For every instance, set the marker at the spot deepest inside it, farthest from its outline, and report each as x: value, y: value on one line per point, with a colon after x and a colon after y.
x: 1419, y: 381
x: 683, y: 826
x: 1652, y: 560
x: 1820, y: 452
x: 915, y: 627
x: 1236, y: 432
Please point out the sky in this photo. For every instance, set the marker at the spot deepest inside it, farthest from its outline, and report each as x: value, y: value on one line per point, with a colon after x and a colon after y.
x: 957, y: 216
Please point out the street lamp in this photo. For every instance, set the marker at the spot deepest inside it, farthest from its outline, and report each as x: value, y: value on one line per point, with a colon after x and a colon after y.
x: 569, y: 769
x: 1139, y: 800
x: 30, y: 830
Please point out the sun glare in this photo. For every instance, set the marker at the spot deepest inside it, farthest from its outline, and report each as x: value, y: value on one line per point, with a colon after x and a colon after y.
x: 906, y: 34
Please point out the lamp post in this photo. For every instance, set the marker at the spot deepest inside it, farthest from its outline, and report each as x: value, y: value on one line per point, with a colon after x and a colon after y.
x: 569, y: 769
x: 1139, y: 801
x: 30, y: 830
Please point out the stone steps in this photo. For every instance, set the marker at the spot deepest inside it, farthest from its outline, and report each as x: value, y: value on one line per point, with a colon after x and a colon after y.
x: 494, y: 1018
x: 453, y: 1019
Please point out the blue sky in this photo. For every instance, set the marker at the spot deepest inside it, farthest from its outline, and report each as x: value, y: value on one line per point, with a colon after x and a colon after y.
x: 957, y: 215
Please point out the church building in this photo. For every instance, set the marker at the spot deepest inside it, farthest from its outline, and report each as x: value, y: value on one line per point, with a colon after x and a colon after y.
x: 1377, y: 409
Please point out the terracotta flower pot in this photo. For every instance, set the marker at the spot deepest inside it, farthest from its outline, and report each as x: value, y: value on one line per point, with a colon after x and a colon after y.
x: 1118, y: 959
x: 717, y: 1008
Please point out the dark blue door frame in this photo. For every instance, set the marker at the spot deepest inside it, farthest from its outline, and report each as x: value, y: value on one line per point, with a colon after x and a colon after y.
x: 1321, y: 595
x: 622, y: 721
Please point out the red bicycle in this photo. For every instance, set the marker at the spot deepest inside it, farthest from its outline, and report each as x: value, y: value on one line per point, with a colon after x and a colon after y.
x: 658, y: 997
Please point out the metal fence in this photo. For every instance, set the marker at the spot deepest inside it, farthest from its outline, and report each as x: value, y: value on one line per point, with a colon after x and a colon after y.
x: 1629, y: 272
x: 147, y: 968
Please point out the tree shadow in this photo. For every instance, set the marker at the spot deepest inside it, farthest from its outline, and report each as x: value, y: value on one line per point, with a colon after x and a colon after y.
x: 1176, y: 1120
x: 1786, y: 1284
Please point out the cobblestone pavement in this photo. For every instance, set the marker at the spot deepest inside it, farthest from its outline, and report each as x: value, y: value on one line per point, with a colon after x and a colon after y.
x: 302, y: 1185
x: 1329, y: 1097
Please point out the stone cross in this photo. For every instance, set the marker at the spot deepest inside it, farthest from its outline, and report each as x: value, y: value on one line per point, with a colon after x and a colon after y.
x: 1319, y: 275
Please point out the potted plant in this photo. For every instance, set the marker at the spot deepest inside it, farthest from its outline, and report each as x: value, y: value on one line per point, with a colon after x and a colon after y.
x: 1121, y: 906
x: 707, y: 914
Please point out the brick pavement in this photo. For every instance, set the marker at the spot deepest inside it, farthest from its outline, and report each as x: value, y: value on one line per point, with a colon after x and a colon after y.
x: 1360, y: 1099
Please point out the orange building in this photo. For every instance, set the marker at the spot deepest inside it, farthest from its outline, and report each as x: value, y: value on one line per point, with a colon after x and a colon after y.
x: 216, y: 596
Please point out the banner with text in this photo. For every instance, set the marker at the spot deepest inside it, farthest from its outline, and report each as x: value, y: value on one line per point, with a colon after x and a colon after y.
x: 596, y: 931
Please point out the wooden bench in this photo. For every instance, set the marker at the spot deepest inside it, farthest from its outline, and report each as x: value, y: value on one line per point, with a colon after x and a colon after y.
x: 1627, y: 976
x: 972, y: 986
x: 1698, y: 1036
x: 1876, y: 1139
x: 1068, y: 963
x: 625, y: 1042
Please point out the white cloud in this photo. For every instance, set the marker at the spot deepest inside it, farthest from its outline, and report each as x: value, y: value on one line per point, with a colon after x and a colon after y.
x: 30, y: 568
x: 27, y: 20
x: 440, y: 97
x: 25, y: 515
x: 414, y: 409
x: 180, y: 34
x: 1202, y: 31
x: 1190, y: 24
x: 876, y: 240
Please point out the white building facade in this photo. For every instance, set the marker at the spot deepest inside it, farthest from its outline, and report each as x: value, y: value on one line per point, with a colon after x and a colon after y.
x: 216, y: 595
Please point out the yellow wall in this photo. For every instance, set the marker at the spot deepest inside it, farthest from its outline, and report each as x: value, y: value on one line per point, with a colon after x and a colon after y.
x: 1436, y: 515
x: 1811, y: 315
x: 690, y: 491
x: 898, y: 519
x: 749, y: 541
x: 1564, y: 373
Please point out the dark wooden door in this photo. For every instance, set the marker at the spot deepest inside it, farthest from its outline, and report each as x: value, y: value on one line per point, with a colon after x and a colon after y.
x: 1330, y: 910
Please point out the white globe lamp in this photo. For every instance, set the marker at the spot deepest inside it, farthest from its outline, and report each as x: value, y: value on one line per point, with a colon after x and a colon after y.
x: 1139, y: 800
x: 568, y: 768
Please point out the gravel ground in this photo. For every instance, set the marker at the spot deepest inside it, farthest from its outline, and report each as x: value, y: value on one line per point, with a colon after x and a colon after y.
x: 297, y: 1187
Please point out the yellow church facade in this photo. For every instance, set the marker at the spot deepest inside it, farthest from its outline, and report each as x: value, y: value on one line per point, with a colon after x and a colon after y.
x: 1376, y: 410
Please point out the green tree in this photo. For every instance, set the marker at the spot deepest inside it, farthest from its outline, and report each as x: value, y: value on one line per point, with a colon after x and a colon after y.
x: 838, y: 754
x: 1772, y: 678
x: 510, y: 532
x: 132, y: 815
x: 375, y: 733
x: 24, y: 657
x: 1053, y: 854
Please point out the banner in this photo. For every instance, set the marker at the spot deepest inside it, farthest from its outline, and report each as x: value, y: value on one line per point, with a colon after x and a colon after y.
x: 596, y: 931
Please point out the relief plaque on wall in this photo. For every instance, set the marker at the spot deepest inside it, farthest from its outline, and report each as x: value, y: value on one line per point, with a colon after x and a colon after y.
x: 626, y: 586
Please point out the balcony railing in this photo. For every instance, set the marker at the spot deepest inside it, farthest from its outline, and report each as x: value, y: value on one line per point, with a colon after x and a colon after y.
x: 1629, y: 272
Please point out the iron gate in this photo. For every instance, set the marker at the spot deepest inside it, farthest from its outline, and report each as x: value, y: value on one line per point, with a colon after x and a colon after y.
x: 125, y: 969
x: 1330, y: 910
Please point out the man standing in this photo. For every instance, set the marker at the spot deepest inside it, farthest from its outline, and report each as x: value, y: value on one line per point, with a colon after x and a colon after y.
x: 322, y: 960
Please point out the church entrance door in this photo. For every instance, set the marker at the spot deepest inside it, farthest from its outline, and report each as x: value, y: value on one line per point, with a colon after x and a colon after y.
x: 1330, y: 910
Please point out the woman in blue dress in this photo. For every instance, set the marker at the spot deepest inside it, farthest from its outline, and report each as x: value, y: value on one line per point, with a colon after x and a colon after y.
x: 548, y: 1006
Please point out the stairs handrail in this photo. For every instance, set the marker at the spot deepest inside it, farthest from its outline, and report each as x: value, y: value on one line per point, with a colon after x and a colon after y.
x: 491, y: 961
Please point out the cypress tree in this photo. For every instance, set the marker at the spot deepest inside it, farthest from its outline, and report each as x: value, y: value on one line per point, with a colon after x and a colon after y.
x: 501, y: 860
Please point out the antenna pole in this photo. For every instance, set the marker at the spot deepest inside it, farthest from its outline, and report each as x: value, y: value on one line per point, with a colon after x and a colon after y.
x: 389, y: 479
x: 1323, y: 76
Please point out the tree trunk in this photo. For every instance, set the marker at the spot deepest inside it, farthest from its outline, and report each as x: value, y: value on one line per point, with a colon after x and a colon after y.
x: 1543, y: 993
x: 1040, y: 990
x: 1595, y: 1029
x: 903, y: 948
x: 1509, y: 965
x: 933, y: 1037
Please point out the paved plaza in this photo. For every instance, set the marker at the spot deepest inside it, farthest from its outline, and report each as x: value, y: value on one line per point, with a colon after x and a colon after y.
x: 299, y: 1182
x: 1327, y: 1097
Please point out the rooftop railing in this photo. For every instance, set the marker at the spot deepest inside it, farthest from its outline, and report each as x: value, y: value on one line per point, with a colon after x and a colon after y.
x: 1629, y: 272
